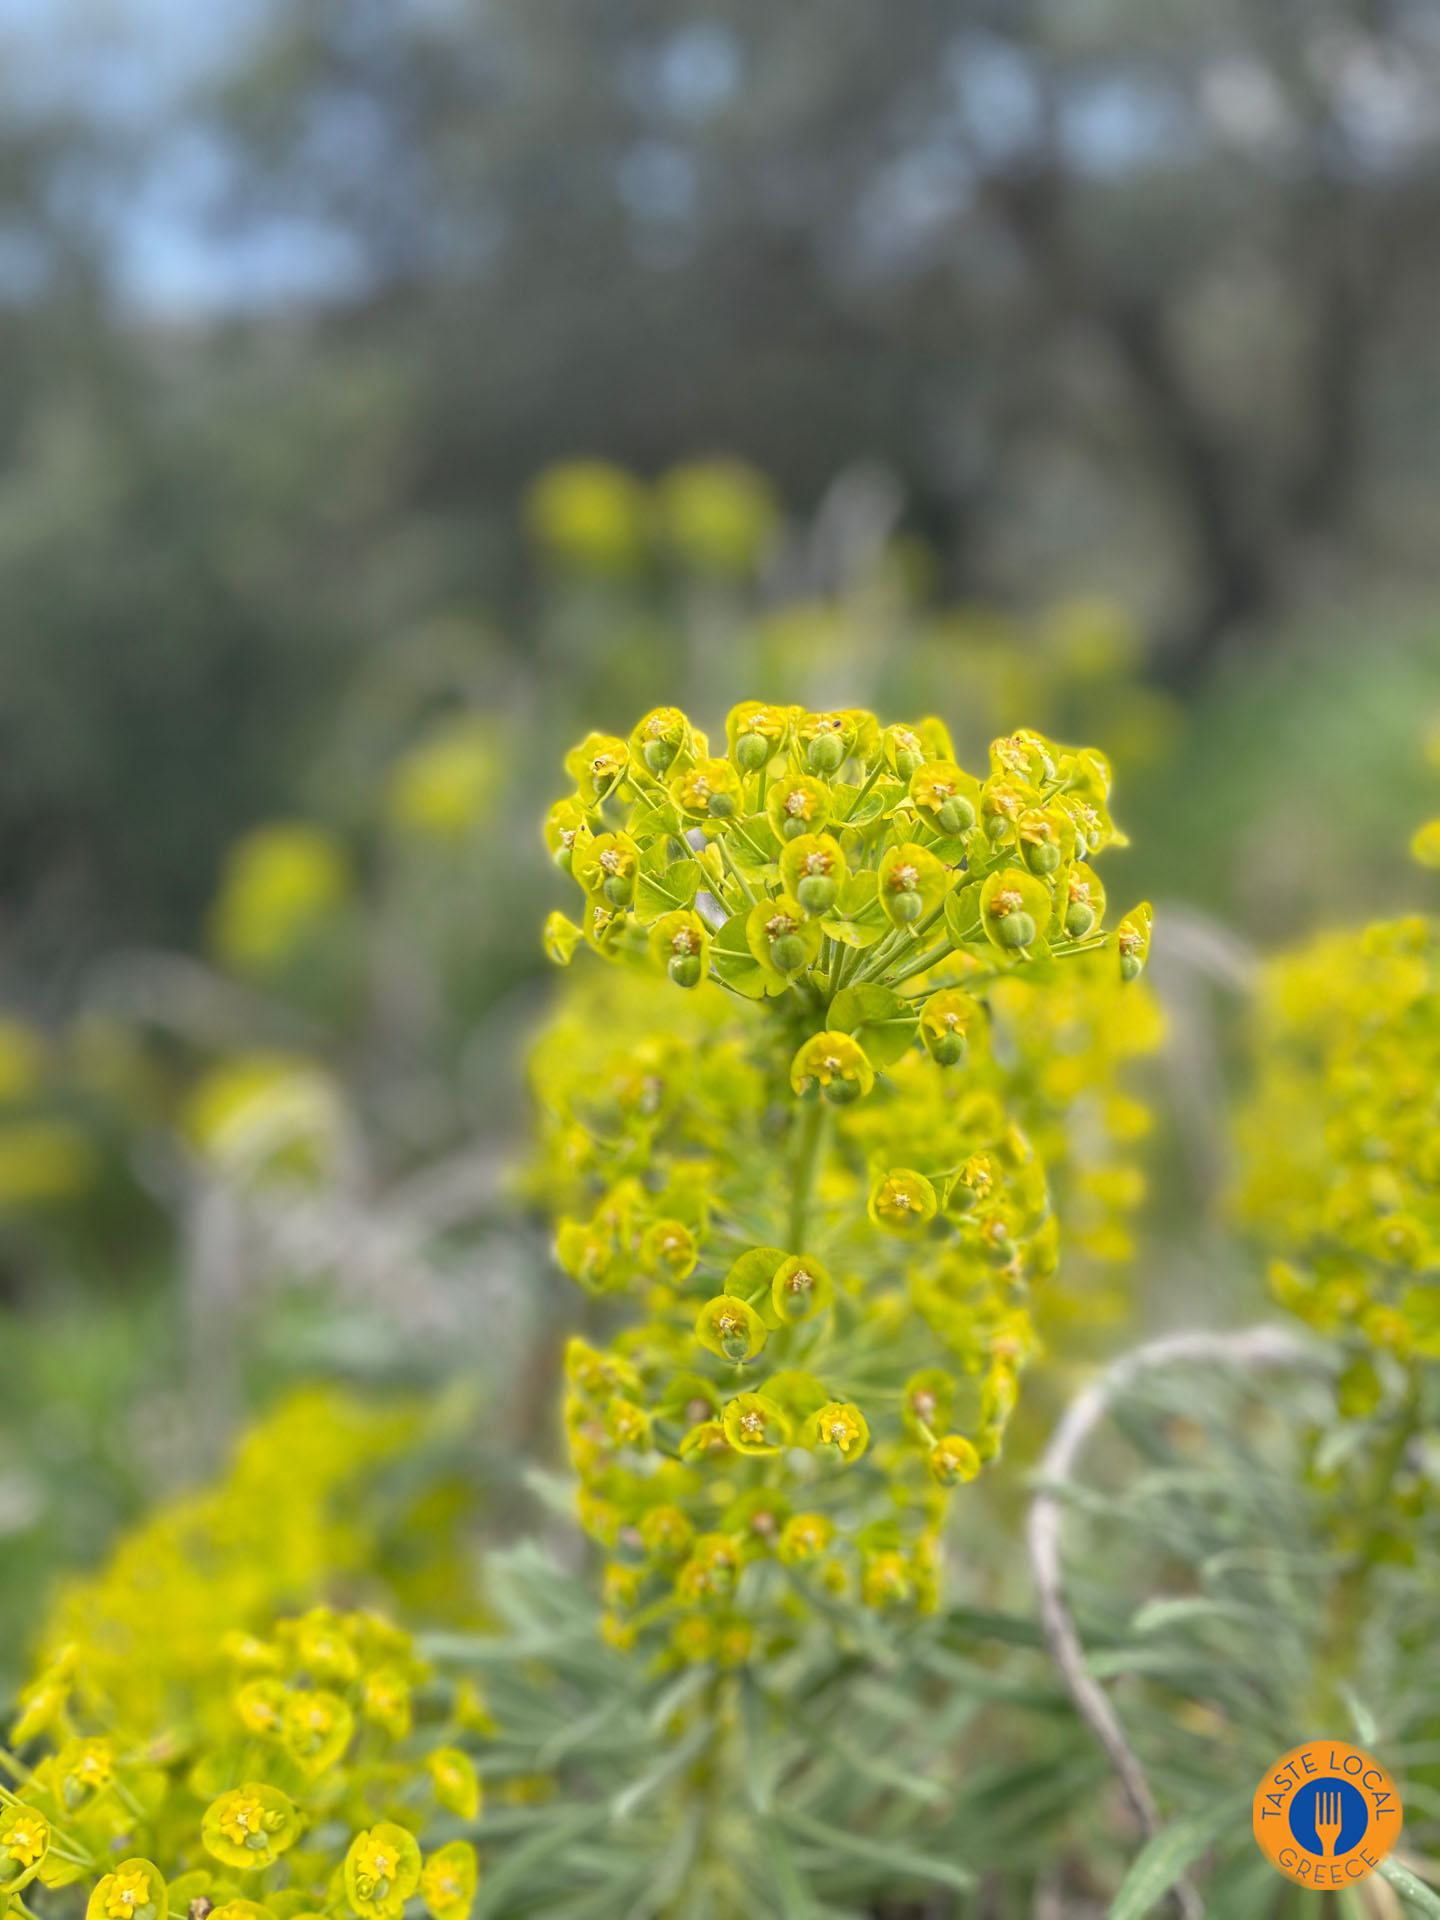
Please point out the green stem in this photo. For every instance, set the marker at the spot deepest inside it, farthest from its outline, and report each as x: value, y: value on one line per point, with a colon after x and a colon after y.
x: 860, y: 795
x: 880, y: 958
x: 733, y: 871
x: 806, y: 1165
x: 844, y: 967
x: 923, y: 961
x: 1352, y: 1590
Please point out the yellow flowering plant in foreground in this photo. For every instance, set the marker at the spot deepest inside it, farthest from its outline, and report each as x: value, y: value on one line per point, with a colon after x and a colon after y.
x: 204, y: 1733
x: 863, y: 1037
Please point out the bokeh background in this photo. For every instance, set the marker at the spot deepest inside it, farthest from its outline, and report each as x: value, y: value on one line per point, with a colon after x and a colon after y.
x: 391, y: 390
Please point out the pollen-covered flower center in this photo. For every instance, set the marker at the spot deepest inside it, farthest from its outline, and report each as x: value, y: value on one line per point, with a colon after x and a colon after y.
x: 25, y: 1841
x: 243, y: 1818
x: 130, y: 1892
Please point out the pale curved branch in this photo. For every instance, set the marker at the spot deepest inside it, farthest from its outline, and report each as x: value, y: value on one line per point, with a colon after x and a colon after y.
x: 1256, y: 1347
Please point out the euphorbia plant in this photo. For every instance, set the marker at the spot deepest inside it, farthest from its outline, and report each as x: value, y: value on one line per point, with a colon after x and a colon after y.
x: 824, y: 1172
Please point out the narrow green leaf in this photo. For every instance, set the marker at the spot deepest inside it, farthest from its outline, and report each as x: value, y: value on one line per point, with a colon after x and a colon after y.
x: 1165, y: 1859
x: 879, y: 1853
x: 1413, y: 1892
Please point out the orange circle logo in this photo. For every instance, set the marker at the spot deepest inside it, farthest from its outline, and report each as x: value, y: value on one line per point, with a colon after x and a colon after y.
x: 1326, y: 1814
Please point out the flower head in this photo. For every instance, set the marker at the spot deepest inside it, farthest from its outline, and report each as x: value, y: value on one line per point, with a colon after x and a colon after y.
x: 250, y: 1826
x: 382, y: 1870
x: 448, y: 1881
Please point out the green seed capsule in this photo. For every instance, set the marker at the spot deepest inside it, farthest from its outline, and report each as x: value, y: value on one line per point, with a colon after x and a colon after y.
x: 684, y: 969
x: 619, y: 889
x: 563, y: 856
x: 659, y: 754
x: 826, y: 753
x: 735, y: 1345
x: 1015, y: 930
x: 1042, y: 856
x: 956, y: 816
x: 996, y: 826
x: 908, y: 906
x: 794, y: 826
x: 906, y: 763
x: 816, y: 892
x: 1131, y: 966
x: 1079, y: 919
x: 788, y: 952
x: 721, y: 806
x: 842, y: 1093
x: 946, y: 1049
x: 752, y: 750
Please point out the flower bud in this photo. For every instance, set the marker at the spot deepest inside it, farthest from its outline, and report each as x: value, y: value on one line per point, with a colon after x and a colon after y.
x: 904, y: 749
x: 826, y: 753
x: 1010, y: 905
x: 805, y: 1537
x: 787, y: 952
x: 953, y: 1459
x: 800, y: 1289
x: 1132, y: 942
x: 836, y: 1063
x: 731, y: 1328
x: 816, y: 892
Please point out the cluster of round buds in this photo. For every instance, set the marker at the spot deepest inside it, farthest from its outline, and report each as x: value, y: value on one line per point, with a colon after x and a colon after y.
x: 319, y: 1713
x: 301, y: 1731
x: 822, y: 854
x: 781, y: 1426
x: 1339, y: 1146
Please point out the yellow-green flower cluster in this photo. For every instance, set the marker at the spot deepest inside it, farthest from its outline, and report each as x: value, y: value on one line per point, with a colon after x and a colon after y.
x: 1340, y: 1143
x: 188, y: 1738
x: 816, y: 1172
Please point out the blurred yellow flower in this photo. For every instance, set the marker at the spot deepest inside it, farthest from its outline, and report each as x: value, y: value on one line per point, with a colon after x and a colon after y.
x: 1425, y: 844
x: 261, y: 1108
x: 446, y: 784
x: 590, y: 514
x: 719, y: 515
x: 279, y: 881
